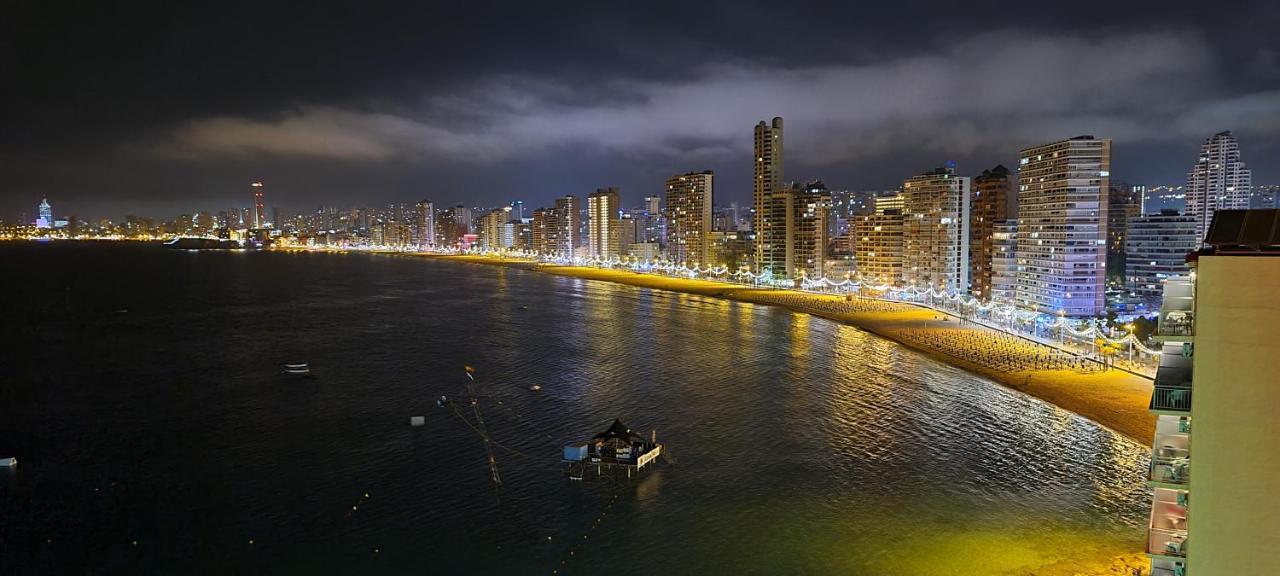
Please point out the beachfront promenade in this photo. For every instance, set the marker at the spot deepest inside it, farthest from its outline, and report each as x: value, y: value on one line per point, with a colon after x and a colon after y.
x: 1113, y: 398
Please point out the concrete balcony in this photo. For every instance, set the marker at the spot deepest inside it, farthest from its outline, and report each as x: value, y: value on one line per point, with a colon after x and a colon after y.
x: 1167, y: 543
x: 1170, y: 471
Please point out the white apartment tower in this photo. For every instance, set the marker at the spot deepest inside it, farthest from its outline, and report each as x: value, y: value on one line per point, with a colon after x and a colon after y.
x: 1218, y: 181
x: 1062, y: 226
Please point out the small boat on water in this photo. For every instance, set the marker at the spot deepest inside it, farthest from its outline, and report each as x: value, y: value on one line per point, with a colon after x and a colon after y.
x: 298, y: 369
x: 8, y: 462
x: 536, y: 387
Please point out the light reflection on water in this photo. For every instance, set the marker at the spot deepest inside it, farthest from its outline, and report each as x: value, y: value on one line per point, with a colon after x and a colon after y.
x: 799, y: 445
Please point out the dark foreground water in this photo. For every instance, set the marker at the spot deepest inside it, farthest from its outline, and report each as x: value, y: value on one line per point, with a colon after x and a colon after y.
x: 140, y: 389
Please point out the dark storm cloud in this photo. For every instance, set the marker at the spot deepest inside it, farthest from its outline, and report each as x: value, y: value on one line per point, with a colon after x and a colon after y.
x: 174, y: 106
x: 996, y: 89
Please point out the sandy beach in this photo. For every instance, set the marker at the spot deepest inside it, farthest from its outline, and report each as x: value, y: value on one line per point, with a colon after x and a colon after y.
x: 1113, y: 398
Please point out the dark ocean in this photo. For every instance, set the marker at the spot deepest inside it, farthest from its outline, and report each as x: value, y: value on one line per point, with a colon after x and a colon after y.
x: 141, y: 391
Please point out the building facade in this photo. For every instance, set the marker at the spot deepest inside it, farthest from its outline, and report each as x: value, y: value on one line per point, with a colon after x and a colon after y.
x: 688, y: 215
x: 1156, y: 249
x: 1004, y: 261
x: 992, y: 198
x: 602, y: 215
x: 878, y: 247
x: 935, y: 231
x: 1062, y: 226
x: 771, y: 204
x: 1218, y: 333
x: 808, y: 232
x: 426, y: 224
x: 1218, y: 181
x: 568, y: 226
x: 1124, y: 203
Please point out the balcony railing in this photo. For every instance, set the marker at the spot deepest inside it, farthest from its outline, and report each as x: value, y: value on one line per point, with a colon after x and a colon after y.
x: 1169, y: 398
x: 1170, y: 470
x: 1167, y: 542
x: 1176, y: 328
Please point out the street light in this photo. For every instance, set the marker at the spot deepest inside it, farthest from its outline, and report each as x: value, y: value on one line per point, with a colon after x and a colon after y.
x: 1132, y: 341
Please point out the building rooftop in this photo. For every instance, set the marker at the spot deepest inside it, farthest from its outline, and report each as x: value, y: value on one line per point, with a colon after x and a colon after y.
x: 1244, y: 231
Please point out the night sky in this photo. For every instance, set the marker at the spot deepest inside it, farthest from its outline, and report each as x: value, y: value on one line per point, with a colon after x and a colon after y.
x: 168, y: 107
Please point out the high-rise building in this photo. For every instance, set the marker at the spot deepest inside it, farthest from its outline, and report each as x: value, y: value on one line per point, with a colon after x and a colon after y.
x: 568, y: 226
x: 517, y: 209
x: 1004, y: 261
x: 807, y: 229
x: 992, y: 199
x: 542, y: 231
x: 770, y: 201
x: 602, y: 215
x: 1124, y: 203
x: 1218, y: 333
x: 878, y: 247
x: 1156, y: 249
x: 688, y: 217
x: 495, y: 229
x: 45, y: 214
x: 1218, y: 181
x: 935, y: 231
x: 653, y: 204
x: 462, y: 215
x: 448, y: 232
x: 259, y: 211
x: 1062, y: 226
x: 426, y: 224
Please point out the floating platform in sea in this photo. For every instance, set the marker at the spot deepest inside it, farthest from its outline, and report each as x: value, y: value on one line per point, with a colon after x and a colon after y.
x: 615, y: 450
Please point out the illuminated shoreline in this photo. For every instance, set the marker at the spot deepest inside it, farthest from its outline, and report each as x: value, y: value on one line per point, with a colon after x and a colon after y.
x: 1115, y: 399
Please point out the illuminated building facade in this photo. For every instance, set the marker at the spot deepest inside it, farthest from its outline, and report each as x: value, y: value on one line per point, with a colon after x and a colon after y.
x: 772, y: 251
x: 688, y: 217
x: 602, y: 216
x: 992, y: 196
x: 1218, y: 181
x: 1062, y: 226
x: 935, y: 231
x: 878, y: 247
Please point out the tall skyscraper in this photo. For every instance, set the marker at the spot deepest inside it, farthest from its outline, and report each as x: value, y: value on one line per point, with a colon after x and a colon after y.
x: 517, y: 210
x: 259, y: 211
x: 688, y: 216
x: 770, y: 201
x: 602, y: 214
x: 568, y: 226
x: 992, y: 197
x: 541, y: 231
x: 45, y: 214
x: 426, y: 224
x: 1062, y: 226
x: 653, y: 204
x: 1156, y: 248
x: 935, y: 231
x: 1218, y: 181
